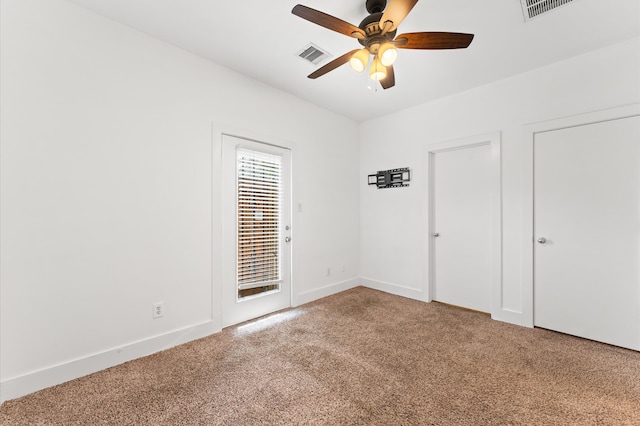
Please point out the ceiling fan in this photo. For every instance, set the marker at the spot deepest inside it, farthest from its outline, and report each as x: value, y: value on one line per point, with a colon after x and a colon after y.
x: 377, y: 33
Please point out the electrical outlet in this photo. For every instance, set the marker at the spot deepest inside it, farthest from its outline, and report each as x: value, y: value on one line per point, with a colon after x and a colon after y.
x: 158, y: 310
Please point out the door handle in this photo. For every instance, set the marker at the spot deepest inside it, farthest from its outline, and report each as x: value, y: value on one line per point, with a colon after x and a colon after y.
x: 287, y: 239
x: 436, y: 235
x: 542, y: 240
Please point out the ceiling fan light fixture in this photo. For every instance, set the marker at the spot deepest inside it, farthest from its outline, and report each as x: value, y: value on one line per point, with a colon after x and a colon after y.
x: 388, y: 54
x: 359, y: 60
x: 378, y: 71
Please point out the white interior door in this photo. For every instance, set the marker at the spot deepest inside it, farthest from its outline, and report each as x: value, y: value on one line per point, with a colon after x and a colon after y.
x: 256, y: 266
x: 462, y: 226
x: 587, y: 231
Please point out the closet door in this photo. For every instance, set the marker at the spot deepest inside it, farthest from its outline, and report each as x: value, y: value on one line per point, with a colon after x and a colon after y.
x: 587, y: 231
x: 462, y: 239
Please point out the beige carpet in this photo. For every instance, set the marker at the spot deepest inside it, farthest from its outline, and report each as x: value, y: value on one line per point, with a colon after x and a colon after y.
x: 361, y: 357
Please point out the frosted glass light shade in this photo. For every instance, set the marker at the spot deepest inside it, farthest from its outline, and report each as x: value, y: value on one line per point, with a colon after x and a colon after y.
x: 378, y: 71
x: 359, y: 60
x: 388, y: 54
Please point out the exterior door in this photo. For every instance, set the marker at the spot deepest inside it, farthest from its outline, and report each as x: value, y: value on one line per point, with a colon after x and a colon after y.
x: 587, y: 231
x: 462, y: 226
x: 256, y: 229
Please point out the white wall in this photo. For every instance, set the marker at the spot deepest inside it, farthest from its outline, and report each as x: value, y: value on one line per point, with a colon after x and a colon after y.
x: 393, y: 221
x: 106, y: 184
x: 106, y: 178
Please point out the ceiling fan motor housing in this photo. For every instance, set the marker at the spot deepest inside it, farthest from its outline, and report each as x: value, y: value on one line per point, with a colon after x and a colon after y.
x: 371, y: 26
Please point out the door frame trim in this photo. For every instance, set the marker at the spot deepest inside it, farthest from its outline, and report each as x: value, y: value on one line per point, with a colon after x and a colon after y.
x: 530, y: 131
x: 218, y: 130
x: 494, y: 141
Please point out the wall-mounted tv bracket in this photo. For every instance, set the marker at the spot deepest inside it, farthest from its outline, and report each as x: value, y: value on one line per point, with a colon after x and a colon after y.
x: 394, y: 178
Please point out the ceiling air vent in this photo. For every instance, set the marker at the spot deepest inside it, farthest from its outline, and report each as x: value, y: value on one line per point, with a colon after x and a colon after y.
x: 313, y: 54
x: 534, y: 8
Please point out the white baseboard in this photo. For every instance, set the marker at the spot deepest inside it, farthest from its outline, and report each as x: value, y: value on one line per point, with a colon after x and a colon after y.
x: 396, y: 289
x: 23, y: 385
x: 503, y: 315
x: 31, y: 382
x: 329, y: 290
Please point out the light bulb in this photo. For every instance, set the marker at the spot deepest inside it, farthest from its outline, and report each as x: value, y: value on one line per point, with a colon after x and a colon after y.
x: 359, y: 60
x: 388, y: 54
x: 378, y: 71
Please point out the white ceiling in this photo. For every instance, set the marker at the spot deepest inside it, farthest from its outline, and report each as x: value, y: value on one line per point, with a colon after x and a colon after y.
x: 260, y: 39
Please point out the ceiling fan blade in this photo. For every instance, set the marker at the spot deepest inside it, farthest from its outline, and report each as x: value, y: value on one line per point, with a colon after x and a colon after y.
x: 389, y: 80
x: 395, y: 12
x: 433, y: 40
x: 327, y: 21
x: 332, y: 65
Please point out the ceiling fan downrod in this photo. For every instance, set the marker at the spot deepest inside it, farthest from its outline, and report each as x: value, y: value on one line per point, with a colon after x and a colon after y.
x: 375, y: 6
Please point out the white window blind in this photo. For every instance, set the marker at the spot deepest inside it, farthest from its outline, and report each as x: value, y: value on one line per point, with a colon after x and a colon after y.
x: 259, y: 218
